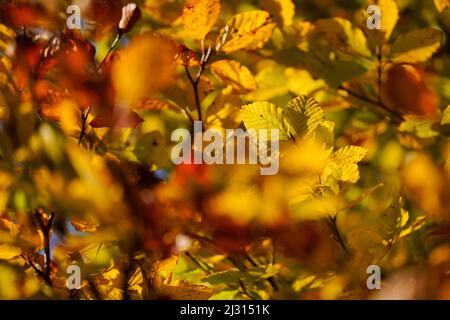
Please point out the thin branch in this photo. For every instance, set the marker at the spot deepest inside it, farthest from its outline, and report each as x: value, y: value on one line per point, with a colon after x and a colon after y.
x: 337, y: 234
x: 116, y: 41
x: 84, y: 117
x: 201, y: 265
x: 195, y: 83
x: 206, y: 56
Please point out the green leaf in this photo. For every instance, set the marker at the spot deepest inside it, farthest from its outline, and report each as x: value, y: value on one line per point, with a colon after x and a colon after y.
x: 224, y: 277
x: 225, y: 295
x: 416, y: 46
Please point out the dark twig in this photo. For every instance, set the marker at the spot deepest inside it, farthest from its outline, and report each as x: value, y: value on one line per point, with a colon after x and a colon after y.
x: 337, y: 234
x: 84, y: 117
x: 206, y: 56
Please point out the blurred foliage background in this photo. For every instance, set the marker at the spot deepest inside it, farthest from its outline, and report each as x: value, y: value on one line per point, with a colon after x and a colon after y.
x: 86, y: 118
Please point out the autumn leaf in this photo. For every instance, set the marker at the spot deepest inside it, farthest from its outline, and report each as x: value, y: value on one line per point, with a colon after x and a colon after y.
x: 246, y: 31
x: 442, y: 5
x: 416, y: 46
x: 342, y: 35
x: 283, y: 10
x: 234, y: 74
x: 389, y: 17
x: 304, y: 115
x: 406, y: 90
x: 147, y: 63
x: 117, y: 117
x: 199, y: 16
x: 265, y: 115
x: 342, y: 165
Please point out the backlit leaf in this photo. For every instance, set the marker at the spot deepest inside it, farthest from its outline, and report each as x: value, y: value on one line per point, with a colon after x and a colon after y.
x: 265, y: 115
x: 442, y: 5
x: 284, y: 10
x: 389, y: 18
x: 147, y: 64
x: 247, y: 31
x: 416, y: 46
x: 234, y: 74
x: 199, y: 16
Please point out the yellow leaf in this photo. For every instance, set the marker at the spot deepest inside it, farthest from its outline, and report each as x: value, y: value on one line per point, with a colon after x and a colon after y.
x: 304, y: 115
x: 143, y: 68
x: 187, y: 291
x: 8, y: 252
x: 305, y: 157
x: 442, y: 5
x: 283, y: 10
x: 265, y: 115
x: 350, y: 154
x: 342, y: 35
x: 342, y: 166
x: 5, y: 182
x: 199, y: 16
x: 416, y: 46
x: 389, y: 19
x: 248, y: 30
x: 271, y: 82
x: 4, y: 30
x: 83, y: 225
x: 300, y: 82
x: 224, y: 113
x: 234, y: 74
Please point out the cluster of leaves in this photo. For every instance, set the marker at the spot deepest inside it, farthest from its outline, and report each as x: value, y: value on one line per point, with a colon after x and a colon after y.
x: 86, y: 178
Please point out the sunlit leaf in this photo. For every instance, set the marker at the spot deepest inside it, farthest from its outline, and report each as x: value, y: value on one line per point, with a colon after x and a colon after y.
x: 234, y: 74
x: 284, y: 10
x: 247, y: 31
x: 199, y: 16
x: 389, y: 18
x: 416, y: 46
x: 265, y: 115
x: 147, y: 64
